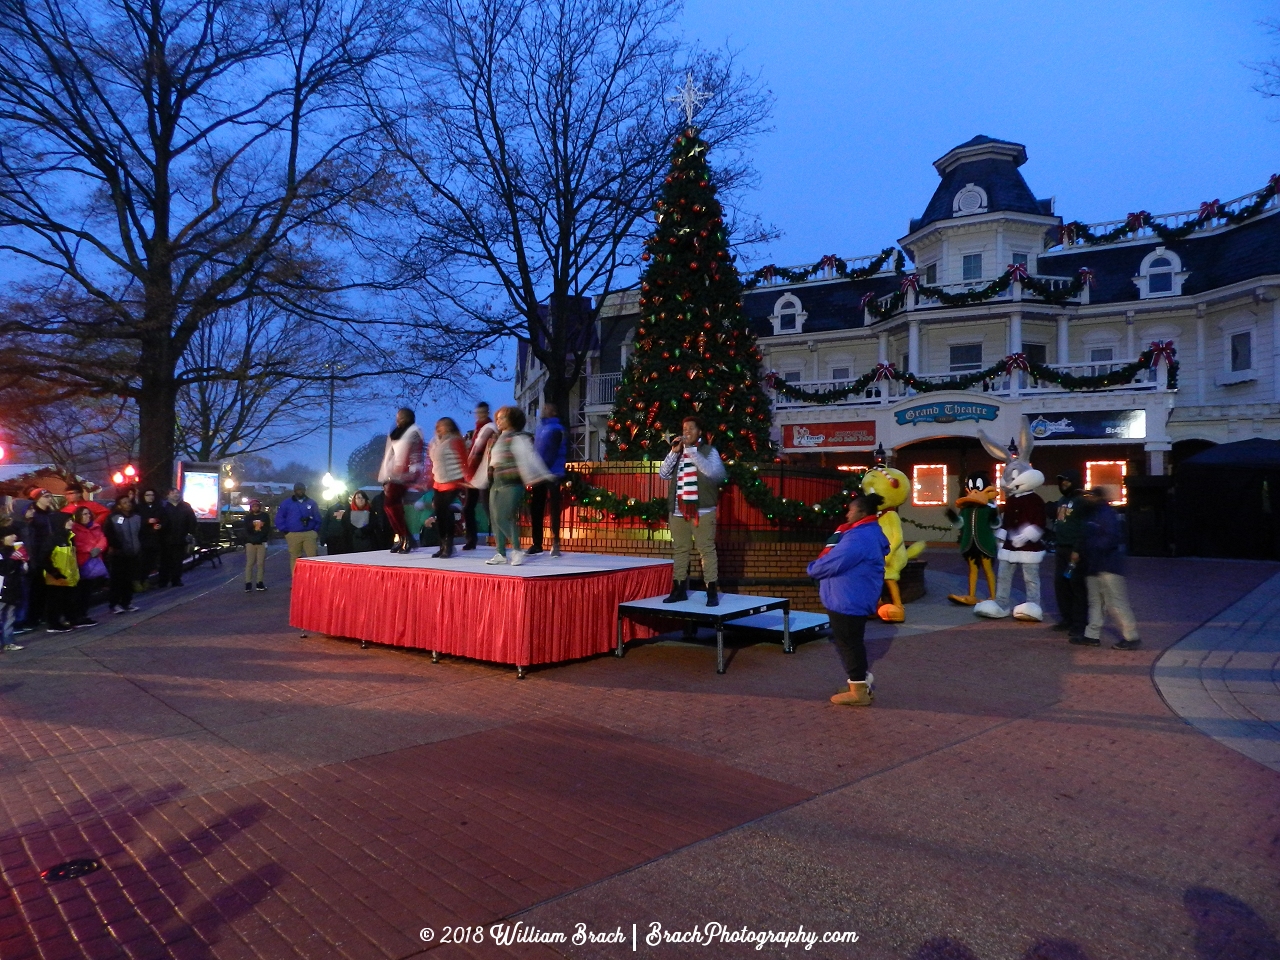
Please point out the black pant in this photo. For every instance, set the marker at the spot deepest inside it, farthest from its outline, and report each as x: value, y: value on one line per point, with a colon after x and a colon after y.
x: 171, y: 557
x: 84, y: 590
x: 1071, y: 592
x: 442, y: 503
x: 59, y: 603
x: 469, y: 503
x: 123, y: 570
x: 536, y: 506
x: 848, y: 633
x: 35, y: 594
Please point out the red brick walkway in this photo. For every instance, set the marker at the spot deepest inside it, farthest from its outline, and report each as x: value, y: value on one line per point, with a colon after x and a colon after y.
x: 252, y: 793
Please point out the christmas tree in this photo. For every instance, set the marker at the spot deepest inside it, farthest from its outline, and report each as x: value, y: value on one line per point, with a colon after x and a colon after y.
x: 692, y: 354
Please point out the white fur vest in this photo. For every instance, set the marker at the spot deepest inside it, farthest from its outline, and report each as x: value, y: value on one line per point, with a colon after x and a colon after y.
x: 402, y: 460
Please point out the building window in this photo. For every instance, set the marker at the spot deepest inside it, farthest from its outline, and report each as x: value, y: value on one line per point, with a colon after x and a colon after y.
x: 1102, y: 354
x: 1037, y: 353
x: 966, y: 357
x: 905, y: 363
x: 972, y: 266
x: 1109, y: 475
x: 839, y: 373
x: 788, y: 316
x: 1160, y: 274
x: 931, y: 274
x: 1020, y: 259
x: 793, y: 376
x: 787, y: 320
x: 929, y: 485
x: 1242, y: 351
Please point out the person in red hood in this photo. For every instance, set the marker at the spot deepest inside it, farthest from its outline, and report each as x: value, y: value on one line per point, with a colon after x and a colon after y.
x: 90, y: 541
x: 75, y: 497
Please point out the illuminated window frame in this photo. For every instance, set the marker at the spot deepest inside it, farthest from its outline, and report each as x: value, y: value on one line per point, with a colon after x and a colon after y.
x: 999, y: 484
x: 1089, y: 483
x: 916, y: 472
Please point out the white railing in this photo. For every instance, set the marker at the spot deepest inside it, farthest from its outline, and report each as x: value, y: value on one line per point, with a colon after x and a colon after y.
x: 1015, y: 292
x: 1020, y: 383
x: 601, y: 387
x: 829, y: 273
x: 1171, y: 221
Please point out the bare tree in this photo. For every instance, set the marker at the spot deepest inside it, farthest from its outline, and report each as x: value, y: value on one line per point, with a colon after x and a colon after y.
x: 533, y: 135
x: 1269, y: 70
x: 162, y: 162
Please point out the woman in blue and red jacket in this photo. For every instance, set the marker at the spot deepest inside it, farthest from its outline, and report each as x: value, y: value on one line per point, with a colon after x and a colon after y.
x: 850, y: 575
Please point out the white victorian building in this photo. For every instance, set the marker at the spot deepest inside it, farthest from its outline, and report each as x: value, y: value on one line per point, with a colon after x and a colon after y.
x: 1215, y: 294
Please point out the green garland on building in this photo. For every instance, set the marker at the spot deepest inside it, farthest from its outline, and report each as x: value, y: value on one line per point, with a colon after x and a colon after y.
x: 838, y: 266
x: 1041, y: 288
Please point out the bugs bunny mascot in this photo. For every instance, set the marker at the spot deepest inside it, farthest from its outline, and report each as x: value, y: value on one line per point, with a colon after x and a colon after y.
x: 1021, y: 528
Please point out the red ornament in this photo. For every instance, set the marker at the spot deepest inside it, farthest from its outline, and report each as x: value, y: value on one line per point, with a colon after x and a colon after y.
x: 693, y: 265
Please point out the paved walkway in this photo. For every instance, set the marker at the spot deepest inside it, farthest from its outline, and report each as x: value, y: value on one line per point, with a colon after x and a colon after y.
x: 1224, y: 678
x: 254, y: 793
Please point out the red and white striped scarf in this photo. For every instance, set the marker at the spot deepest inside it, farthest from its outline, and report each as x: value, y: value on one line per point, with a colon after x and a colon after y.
x: 687, y: 487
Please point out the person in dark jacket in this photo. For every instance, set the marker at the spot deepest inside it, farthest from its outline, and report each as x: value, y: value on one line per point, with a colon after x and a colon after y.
x: 332, y: 532
x: 124, y: 539
x: 179, y: 528
x: 61, y: 575
x: 150, y: 513
x: 13, y: 571
x: 1068, y: 533
x: 1103, y: 555
x: 255, y: 531
x: 551, y: 442
x: 361, y: 523
x: 850, y: 575
x: 39, y: 544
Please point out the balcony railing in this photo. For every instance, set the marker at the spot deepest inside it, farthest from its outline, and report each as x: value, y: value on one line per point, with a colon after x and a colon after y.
x: 1015, y: 292
x: 1019, y: 383
x: 601, y: 387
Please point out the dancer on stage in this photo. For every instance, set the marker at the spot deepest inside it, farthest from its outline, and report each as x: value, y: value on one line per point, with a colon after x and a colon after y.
x: 514, y: 465
x: 402, y: 469
x: 479, y: 443
x: 850, y: 575
x: 448, y: 459
x: 696, y: 473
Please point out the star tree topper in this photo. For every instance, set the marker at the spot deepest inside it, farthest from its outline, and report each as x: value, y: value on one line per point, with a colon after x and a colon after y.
x: 690, y: 97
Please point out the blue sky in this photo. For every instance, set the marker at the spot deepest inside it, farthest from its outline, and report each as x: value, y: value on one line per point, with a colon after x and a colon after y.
x: 1122, y: 106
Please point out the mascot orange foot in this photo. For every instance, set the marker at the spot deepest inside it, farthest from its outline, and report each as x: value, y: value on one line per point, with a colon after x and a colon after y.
x: 978, y: 520
x: 892, y: 486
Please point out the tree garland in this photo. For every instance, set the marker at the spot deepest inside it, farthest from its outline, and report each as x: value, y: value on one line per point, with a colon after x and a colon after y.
x: 1210, y: 211
x: 783, y: 511
x: 885, y: 371
x: 837, y: 265
x: 1016, y: 273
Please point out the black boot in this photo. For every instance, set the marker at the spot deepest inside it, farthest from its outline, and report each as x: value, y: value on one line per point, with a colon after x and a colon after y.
x: 713, y: 596
x: 679, y: 591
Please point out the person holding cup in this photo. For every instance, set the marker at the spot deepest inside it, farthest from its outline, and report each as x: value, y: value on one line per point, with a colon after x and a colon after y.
x: 256, y: 530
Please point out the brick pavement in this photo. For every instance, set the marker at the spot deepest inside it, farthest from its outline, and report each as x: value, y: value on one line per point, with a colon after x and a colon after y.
x: 255, y: 793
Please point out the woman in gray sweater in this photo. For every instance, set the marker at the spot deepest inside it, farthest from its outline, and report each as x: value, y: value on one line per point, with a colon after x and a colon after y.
x: 124, y: 537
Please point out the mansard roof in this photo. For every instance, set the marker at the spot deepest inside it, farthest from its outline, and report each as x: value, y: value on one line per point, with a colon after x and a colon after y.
x: 1213, y: 260
x: 987, y: 163
x: 835, y: 305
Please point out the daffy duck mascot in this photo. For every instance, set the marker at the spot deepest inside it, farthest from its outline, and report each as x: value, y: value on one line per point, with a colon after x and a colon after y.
x: 978, y: 520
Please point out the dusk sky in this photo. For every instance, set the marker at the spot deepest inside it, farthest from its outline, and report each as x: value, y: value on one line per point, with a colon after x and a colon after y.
x: 1122, y: 106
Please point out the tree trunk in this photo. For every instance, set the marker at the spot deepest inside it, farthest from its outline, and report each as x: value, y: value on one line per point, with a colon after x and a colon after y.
x: 157, y: 429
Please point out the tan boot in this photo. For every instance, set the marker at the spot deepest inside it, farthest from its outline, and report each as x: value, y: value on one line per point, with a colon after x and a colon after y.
x: 859, y: 695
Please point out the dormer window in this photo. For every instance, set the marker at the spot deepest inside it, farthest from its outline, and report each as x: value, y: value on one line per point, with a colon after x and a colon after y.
x: 788, y: 316
x: 971, y: 267
x: 1160, y: 275
x: 970, y: 200
x: 931, y: 274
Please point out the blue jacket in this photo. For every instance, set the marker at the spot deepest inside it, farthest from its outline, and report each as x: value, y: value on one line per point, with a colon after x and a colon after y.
x: 851, y: 574
x: 1103, y: 551
x: 552, y: 445
x: 298, y: 516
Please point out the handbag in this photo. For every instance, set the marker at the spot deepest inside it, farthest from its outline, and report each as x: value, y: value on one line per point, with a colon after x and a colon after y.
x: 93, y: 569
x: 64, y: 561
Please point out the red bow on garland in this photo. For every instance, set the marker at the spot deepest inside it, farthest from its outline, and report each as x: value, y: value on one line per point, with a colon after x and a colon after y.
x: 1017, y: 272
x: 1086, y: 276
x: 771, y: 380
x: 1162, y: 350
x: 866, y: 298
x: 828, y: 262
x: 767, y: 273
x: 1068, y: 234
x: 1136, y: 221
x: 1210, y: 210
x: 910, y: 282
x: 883, y: 371
x: 1016, y: 361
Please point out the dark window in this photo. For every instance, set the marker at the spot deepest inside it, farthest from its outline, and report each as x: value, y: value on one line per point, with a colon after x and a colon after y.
x: 1102, y: 354
x: 839, y: 373
x: 966, y: 357
x: 1159, y: 262
x: 931, y: 274
x: 1160, y: 282
x: 1019, y: 258
x: 1036, y: 353
x: 787, y: 320
x: 793, y: 376
x: 1241, y: 351
x: 972, y: 266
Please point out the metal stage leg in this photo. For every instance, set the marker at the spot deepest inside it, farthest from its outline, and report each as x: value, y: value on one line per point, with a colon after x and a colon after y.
x: 786, y: 631
x: 618, y: 652
x: 719, y: 646
x: 435, y: 656
x: 364, y: 644
x: 519, y: 672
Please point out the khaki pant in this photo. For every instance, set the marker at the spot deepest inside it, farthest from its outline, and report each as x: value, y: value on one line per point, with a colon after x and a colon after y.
x: 300, y: 543
x: 685, y: 536
x: 1108, y: 592
x: 255, y: 558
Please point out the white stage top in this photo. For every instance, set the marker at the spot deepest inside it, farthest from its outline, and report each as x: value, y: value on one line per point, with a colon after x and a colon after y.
x: 473, y: 561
